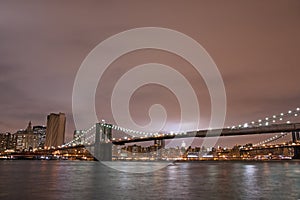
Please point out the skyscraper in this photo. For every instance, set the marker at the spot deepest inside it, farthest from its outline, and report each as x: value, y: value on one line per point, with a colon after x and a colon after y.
x: 55, y: 133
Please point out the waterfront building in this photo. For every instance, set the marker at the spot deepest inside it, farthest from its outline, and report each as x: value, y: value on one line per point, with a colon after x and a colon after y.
x: 7, y: 142
x: 26, y: 140
x: 55, y: 133
x: 40, y: 131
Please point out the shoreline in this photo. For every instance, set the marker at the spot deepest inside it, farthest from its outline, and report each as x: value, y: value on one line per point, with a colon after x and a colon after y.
x: 170, y: 161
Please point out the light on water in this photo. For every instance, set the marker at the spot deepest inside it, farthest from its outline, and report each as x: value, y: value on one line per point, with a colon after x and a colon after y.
x: 184, y: 180
x: 137, y: 167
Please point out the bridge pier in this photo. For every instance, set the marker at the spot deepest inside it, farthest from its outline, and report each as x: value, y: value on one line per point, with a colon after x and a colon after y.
x: 296, y: 152
x: 159, y: 143
x: 295, y: 136
x: 103, y: 146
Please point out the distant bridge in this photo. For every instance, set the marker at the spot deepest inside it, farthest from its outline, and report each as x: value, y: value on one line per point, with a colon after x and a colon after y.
x: 99, y: 137
x: 274, y: 128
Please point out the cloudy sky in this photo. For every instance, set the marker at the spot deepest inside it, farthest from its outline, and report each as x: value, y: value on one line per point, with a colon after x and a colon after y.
x: 255, y: 45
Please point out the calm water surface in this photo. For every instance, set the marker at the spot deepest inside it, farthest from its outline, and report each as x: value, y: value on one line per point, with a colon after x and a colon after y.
x: 199, y: 180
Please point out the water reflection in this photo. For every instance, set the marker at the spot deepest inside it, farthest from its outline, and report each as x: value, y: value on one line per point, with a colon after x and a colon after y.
x: 203, y: 180
x: 250, y: 181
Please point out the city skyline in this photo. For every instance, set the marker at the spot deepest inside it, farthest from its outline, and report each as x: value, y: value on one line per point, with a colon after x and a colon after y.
x: 256, y: 54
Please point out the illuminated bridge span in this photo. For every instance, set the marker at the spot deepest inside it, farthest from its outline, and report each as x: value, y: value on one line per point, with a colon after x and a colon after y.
x: 100, y: 135
x: 276, y: 128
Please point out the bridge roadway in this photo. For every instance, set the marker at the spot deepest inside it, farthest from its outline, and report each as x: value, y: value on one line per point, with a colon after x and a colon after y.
x: 274, y: 128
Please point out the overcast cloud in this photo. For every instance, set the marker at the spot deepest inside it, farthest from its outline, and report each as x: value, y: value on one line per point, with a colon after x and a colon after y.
x: 255, y: 45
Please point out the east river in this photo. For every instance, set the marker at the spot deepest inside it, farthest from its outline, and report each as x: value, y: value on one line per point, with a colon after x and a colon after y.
x: 188, y: 180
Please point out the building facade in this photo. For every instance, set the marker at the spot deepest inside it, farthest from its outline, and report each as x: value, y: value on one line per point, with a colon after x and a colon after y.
x: 40, y: 131
x: 55, y: 133
x: 26, y: 140
x: 7, y: 141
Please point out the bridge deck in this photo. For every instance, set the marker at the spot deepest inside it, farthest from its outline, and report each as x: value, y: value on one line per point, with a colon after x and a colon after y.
x: 275, y: 128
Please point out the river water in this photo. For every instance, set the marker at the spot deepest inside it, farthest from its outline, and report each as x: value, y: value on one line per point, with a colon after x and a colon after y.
x: 190, y: 180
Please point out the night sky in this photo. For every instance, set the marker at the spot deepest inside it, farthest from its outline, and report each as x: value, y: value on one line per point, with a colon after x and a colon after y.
x: 255, y: 45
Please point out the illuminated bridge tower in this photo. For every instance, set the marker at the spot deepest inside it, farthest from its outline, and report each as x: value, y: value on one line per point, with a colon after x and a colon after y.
x: 103, y: 145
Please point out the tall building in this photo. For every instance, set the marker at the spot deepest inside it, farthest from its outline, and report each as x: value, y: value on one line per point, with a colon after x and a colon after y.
x: 40, y: 131
x: 26, y: 140
x: 55, y: 133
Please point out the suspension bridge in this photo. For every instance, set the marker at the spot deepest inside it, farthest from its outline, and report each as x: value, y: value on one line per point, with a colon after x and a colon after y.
x: 99, y: 137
